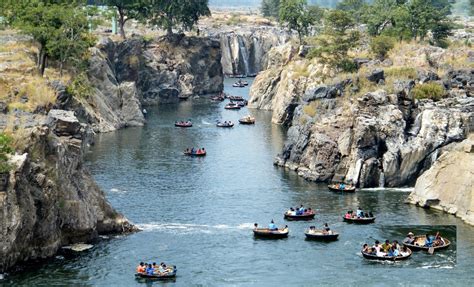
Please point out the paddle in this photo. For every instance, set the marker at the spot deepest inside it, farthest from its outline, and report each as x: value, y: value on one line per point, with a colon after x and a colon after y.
x: 431, y: 250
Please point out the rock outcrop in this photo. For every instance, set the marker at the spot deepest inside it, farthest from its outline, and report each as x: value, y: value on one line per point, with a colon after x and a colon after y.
x: 127, y: 75
x: 449, y: 184
x: 52, y: 200
x: 366, y: 128
x: 245, y: 49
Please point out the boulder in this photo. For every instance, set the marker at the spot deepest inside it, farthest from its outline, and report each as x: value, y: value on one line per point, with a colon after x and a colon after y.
x: 376, y: 76
x: 63, y: 123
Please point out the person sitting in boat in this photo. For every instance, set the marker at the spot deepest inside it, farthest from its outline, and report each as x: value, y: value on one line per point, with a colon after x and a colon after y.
x: 272, y: 226
x: 404, y: 251
x: 410, y: 238
x: 309, y: 211
x: 371, y: 214
x: 141, y: 268
x: 386, y: 246
x: 300, y: 210
x: 348, y: 215
x: 378, y: 249
x: 312, y: 229
x: 393, y: 252
x: 150, y: 270
x: 438, y: 241
x: 291, y: 211
x: 429, y: 240
x: 396, y: 245
x: 366, y: 215
x: 326, y: 229
x: 359, y: 212
x: 162, y: 269
x: 342, y: 186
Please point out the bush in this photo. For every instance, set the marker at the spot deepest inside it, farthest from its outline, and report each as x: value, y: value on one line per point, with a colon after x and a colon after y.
x: 381, y: 45
x: 5, y: 149
x: 310, y: 109
x: 80, y: 87
x: 432, y: 91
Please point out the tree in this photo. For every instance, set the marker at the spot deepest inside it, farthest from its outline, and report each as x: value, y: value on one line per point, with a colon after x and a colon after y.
x: 270, y: 8
x: 354, y: 7
x: 471, y: 7
x: 126, y: 9
x: 59, y: 28
x: 338, y: 37
x: 381, y: 45
x: 298, y: 16
x: 169, y: 14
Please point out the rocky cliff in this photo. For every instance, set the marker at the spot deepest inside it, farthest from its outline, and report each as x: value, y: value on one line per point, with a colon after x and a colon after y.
x: 366, y: 128
x: 127, y: 75
x: 51, y: 199
x: 449, y: 184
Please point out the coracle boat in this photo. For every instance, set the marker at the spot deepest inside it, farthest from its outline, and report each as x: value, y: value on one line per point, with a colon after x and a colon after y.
x: 388, y: 258
x: 271, y: 234
x: 242, y: 103
x: 248, y: 120
x: 359, y: 220
x: 169, y: 275
x: 225, y: 125
x: 336, y: 187
x: 304, y: 216
x: 232, y: 106
x: 320, y: 235
x: 238, y: 85
x: 194, y: 154
x: 217, y: 98
x: 236, y: 98
x: 419, y: 244
x: 187, y: 124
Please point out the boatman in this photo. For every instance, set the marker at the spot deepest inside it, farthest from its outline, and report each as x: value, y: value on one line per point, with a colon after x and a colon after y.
x: 272, y: 226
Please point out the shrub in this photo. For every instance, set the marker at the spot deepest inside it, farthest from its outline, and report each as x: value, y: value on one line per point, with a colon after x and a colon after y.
x: 381, y: 45
x: 80, y: 87
x: 5, y: 149
x: 432, y: 91
x: 310, y: 109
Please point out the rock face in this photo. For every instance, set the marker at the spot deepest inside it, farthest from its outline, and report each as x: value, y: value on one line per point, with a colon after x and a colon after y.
x: 378, y: 138
x: 51, y: 200
x: 245, y: 50
x: 438, y: 189
x: 126, y: 75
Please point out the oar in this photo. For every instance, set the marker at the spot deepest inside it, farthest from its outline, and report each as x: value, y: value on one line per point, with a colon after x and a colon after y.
x: 431, y: 250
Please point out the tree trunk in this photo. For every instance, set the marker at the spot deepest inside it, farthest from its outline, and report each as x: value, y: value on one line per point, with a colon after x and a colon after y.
x: 169, y: 25
x: 42, y: 62
x: 122, y: 23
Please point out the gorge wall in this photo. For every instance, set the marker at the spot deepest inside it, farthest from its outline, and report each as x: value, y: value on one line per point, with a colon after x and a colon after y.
x: 51, y: 199
x: 128, y: 75
x: 365, y: 128
x: 449, y: 184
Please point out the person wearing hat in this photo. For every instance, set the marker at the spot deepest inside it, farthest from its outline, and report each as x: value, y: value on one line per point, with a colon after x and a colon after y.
x: 410, y: 239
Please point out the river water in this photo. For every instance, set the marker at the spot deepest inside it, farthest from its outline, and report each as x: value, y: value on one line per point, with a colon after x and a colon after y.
x: 197, y: 213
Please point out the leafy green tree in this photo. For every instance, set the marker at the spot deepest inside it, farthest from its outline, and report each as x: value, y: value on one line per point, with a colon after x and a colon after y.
x: 169, y: 14
x: 270, y: 8
x: 354, y: 7
x: 126, y: 9
x: 334, y: 43
x: 471, y: 7
x: 298, y: 16
x: 59, y: 27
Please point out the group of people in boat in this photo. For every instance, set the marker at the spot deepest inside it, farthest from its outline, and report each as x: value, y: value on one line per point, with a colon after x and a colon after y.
x: 429, y: 241
x: 326, y: 230
x: 343, y: 186
x: 184, y: 123
x: 240, y: 84
x: 152, y: 269
x: 393, y: 249
x: 359, y: 214
x: 299, y: 211
x: 195, y: 151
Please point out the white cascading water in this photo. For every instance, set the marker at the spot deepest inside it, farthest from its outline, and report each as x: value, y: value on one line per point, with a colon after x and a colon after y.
x: 244, y: 54
x: 382, y: 179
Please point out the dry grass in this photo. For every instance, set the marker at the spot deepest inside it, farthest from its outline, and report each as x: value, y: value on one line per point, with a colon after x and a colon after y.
x: 311, y: 109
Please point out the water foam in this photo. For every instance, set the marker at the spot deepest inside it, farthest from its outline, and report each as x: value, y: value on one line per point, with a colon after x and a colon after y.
x: 190, y: 228
x: 400, y: 189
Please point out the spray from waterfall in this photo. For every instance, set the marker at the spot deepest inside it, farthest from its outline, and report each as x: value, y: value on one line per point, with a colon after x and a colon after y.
x: 382, y: 179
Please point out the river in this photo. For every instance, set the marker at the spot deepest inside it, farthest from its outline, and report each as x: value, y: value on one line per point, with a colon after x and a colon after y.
x: 197, y: 213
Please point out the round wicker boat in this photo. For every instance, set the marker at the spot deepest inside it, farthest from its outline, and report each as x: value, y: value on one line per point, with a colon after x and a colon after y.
x: 387, y: 258
x: 304, y: 216
x: 348, y: 189
x: 419, y: 244
x: 271, y: 234
x: 320, y: 235
x: 360, y: 220
x: 168, y: 275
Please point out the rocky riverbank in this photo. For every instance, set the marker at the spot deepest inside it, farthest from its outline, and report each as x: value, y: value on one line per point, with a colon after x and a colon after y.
x: 449, y: 184
x: 51, y: 200
x: 367, y: 128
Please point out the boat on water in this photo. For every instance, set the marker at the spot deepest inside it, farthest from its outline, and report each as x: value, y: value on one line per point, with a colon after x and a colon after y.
x: 239, y: 84
x: 195, y: 153
x: 341, y: 187
x: 232, y: 106
x: 305, y: 216
x: 228, y: 124
x: 236, y: 98
x: 247, y: 120
x: 371, y: 256
x: 270, y: 233
x: 321, y: 235
x: 182, y: 124
x: 219, y: 98
x: 170, y: 274
x: 359, y: 220
x: 242, y: 103
x: 419, y: 244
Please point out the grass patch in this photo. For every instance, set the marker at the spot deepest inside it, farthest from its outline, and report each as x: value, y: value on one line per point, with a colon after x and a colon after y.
x: 433, y: 91
x: 401, y: 73
x: 34, y: 94
x: 311, y: 109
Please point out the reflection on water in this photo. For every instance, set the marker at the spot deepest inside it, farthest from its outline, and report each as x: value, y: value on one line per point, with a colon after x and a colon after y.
x: 197, y: 213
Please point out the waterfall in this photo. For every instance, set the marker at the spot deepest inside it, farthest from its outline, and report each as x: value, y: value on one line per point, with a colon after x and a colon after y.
x: 382, y: 179
x: 244, y: 55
